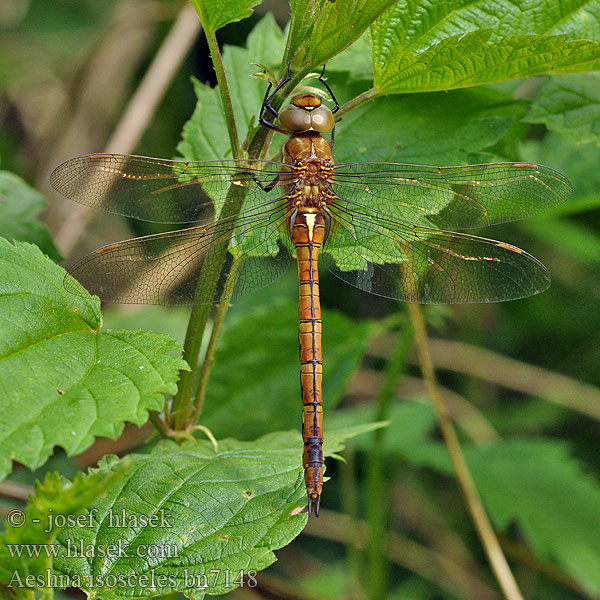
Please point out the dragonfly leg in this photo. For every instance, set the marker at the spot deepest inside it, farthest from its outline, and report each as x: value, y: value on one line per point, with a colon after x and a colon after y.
x: 335, y: 108
x: 266, y: 105
x: 324, y: 82
x: 265, y: 187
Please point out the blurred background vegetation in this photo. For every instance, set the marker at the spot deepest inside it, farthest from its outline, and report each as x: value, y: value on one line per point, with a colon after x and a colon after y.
x: 525, y: 372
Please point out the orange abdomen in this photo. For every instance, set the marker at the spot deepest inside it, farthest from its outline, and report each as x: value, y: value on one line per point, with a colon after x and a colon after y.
x: 308, y: 232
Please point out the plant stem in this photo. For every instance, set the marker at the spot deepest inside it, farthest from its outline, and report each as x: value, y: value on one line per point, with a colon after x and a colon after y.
x: 182, y: 415
x: 158, y: 423
x: 377, y: 509
x: 357, y: 101
x: 353, y: 541
x: 179, y: 417
x: 214, y: 338
x: 474, y: 504
x: 217, y: 60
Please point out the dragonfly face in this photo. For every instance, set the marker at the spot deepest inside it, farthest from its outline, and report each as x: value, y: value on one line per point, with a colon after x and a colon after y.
x: 382, y: 227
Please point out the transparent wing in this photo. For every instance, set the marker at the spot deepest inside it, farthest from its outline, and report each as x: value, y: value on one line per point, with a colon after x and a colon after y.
x: 451, y: 197
x: 418, y: 264
x: 164, y: 268
x: 157, y: 190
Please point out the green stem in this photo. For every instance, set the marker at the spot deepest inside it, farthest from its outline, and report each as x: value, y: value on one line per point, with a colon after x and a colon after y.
x: 217, y: 61
x: 357, y: 101
x: 214, y: 338
x: 377, y: 509
x: 488, y: 538
x: 354, y: 540
x: 181, y: 409
x: 158, y: 423
x: 178, y: 417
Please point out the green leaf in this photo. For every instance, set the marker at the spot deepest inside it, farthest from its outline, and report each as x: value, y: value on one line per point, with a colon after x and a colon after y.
x: 409, y: 425
x: 357, y: 60
x: 215, y: 14
x: 20, y: 206
x: 335, y: 438
x: 417, y: 25
x: 320, y: 29
x: 255, y: 375
x: 529, y: 481
x: 209, y: 517
x: 205, y: 135
x: 570, y: 104
x: 76, y: 382
x: 532, y: 481
x: 472, y: 59
x: 56, y: 502
x: 450, y: 128
x: 191, y: 520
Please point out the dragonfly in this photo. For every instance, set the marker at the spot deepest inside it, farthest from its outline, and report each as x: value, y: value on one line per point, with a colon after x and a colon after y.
x: 383, y: 227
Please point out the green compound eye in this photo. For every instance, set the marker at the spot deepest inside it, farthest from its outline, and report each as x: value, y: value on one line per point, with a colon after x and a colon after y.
x: 294, y: 118
x: 322, y: 119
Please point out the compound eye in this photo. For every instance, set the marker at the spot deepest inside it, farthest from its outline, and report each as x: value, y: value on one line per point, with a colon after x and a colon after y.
x: 322, y: 119
x: 293, y: 118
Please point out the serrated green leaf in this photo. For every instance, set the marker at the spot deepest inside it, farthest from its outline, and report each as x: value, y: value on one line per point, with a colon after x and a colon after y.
x: 20, y: 206
x: 76, y: 382
x: 56, y: 501
x: 320, y: 29
x: 208, y: 518
x: 419, y: 25
x: 215, y: 14
x: 205, y: 135
x: 472, y: 59
x: 184, y: 516
x: 357, y: 60
x: 570, y: 104
x: 409, y: 426
x: 256, y: 369
x: 335, y: 438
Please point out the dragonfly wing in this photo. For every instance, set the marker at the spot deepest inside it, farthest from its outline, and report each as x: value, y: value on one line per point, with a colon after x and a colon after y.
x: 452, y: 197
x: 428, y: 266
x: 164, y: 268
x: 157, y: 190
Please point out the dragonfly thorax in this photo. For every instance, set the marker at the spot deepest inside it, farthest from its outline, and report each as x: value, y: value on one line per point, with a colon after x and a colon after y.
x: 310, y: 161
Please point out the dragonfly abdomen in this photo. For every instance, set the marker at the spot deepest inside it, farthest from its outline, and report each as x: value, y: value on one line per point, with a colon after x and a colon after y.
x: 308, y: 233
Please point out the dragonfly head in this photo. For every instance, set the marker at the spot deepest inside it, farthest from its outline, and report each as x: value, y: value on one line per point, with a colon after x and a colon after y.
x: 306, y: 113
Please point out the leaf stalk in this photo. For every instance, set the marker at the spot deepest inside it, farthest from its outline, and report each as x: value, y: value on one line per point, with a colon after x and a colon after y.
x: 484, y: 528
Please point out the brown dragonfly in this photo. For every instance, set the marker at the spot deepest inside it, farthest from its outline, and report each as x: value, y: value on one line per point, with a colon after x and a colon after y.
x: 382, y: 227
